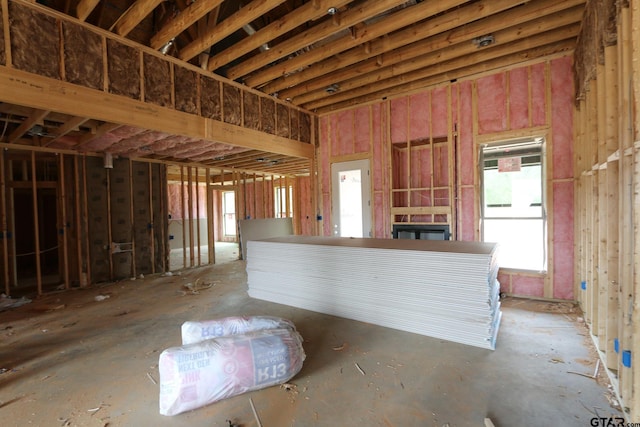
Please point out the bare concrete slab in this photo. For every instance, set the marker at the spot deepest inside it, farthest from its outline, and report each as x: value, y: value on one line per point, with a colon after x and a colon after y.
x: 77, y: 360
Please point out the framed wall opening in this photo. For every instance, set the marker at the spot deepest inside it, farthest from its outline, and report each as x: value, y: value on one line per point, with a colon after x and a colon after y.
x: 513, y: 211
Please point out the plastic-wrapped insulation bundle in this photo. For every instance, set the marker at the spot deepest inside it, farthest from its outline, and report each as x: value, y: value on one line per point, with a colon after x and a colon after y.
x: 196, y: 331
x: 197, y: 374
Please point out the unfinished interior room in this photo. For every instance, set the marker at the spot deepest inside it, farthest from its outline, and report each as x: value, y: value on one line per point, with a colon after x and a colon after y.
x: 371, y: 213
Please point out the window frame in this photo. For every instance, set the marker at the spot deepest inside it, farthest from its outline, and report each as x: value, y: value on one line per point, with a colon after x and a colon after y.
x: 520, y: 148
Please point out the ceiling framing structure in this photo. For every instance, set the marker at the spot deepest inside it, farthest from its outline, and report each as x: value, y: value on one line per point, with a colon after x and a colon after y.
x: 308, y: 57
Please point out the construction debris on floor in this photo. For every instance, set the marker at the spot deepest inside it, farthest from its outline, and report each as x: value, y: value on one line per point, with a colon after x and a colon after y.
x: 442, y: 289
x: 66, y: 359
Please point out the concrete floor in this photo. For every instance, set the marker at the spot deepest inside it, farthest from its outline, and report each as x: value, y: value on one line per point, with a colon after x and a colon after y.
x: 69, y: 360
x: 225, y: 252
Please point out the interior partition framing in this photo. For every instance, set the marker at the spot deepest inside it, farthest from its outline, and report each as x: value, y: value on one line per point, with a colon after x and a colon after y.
x: 607, y: 171
x: 67, y: 220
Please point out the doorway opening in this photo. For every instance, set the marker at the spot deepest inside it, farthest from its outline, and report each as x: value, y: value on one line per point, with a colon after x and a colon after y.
x: 351, y: 199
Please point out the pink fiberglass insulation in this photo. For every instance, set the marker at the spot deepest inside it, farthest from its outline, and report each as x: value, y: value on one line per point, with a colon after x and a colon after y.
x: 379, y: 151
x: 65, y: 142
x: 441, y: 165
x: 217, y: 150
x: 202, y: 197
x: 465, y: 135
x: 342, y: 133
x: 259, y: 185
x: 538, y: 95
x: 441, y: 197
x: 400, y: 165
x: 362, y: 130
x: 166, y: 143
x: 563, y: 270
x: 378, y: 206
x: 140, y: 140
x: 101, y: 143
x: 398, y: 120
x: 421, y: 198
x: 127, y: 131
x: 400, y: 199
x: 325, y: 169
x: 420, y: 174
x: 167, y: 147
x: 492, y: 105
x: 519, y: 98
x: 505, y: 281
x: 332, y: 140
x: 105, y: 141
x: 531, y: 286
x: 197, y: 146
x: 466, y: 219
x: 306, y: 214
x: 562, y: 117
x: 249, y: 194
x: 563, y: 234
x: 563, y: 209
x: 439, y: 113
x: 326, y: 205
x: 174, y: 204
x: 419, y: 116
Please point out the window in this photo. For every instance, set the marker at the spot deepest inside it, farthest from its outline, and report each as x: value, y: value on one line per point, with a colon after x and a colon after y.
x: 229, y: 212
x: 283, y: 204
x: 513, y: 206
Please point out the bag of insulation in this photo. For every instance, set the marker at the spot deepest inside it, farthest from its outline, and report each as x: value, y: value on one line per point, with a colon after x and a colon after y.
x: 193, y: 331
x: 197, y: 374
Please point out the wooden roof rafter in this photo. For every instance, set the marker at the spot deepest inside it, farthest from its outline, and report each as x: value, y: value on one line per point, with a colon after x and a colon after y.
x: 542, y: 31
x: 244, y: 16
x: 317, y: 33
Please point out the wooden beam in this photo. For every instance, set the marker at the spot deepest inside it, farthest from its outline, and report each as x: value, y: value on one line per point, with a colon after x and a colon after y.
x: 132, y: 221
x: 184, y: 219
x: 633, y: 401
x: 349, y: 18
x: 134, y: 15
x: 163, y: 196
x: 190, y: 216
x: 3, y: 225
x: 443, y: 35
x: 197, y: 184
x: 513, y: 40
x: 36, y: 221
x: 72, y: 124
x: 85, y: 221
x: 307, y: 12
x: 78, y: 219
x: 211, y: 241
x: 152, y: 246
x: 84, y: 8
x: 28, y: 89
x: 389, y: 24
x: 246, y: 15
x: 109, y: 222
x: 182, y: 21
x: 4, y: 5
x: 103, y: 129
x: 35, y: 117
x: 204, y: 25
x: 446, y: 73
x: 64, y: 229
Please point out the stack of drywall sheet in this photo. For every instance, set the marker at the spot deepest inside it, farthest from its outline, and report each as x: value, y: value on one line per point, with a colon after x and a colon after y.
x: 442, y: 289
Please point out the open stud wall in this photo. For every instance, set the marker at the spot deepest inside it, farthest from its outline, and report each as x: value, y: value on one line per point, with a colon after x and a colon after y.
x: 423, y: 148
x: 607, y: 172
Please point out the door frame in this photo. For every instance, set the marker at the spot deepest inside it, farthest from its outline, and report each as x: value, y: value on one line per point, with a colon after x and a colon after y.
x: 367, y: 217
